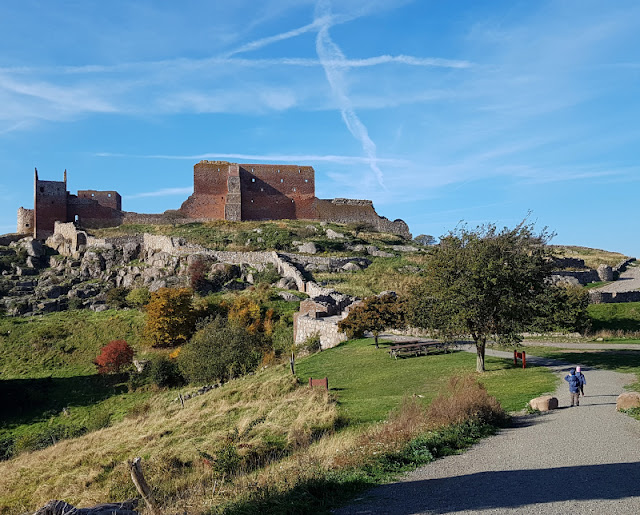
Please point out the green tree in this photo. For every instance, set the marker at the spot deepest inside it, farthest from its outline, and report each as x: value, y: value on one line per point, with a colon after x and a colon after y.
x: 170, y: 317
x: 486, y: 283
x: 563, y: 308
x: 220, y: 351
x: 138, y: 297
x: 425, y: 239
x: 375, y: 314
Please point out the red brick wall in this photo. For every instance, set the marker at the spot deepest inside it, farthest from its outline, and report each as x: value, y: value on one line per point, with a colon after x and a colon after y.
x: 50, y: 204
x: 90, y: 213
x: 110, y: 199
x: 277, y: 191
x: 209, y: 191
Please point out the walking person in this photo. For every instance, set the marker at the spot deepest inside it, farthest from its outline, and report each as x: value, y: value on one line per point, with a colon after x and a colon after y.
x: 583, y: 381
x: 574, y: 387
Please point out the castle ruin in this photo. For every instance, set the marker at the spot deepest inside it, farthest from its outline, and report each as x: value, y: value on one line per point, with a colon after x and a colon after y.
x: 221, y: 191
x: 53, y: 203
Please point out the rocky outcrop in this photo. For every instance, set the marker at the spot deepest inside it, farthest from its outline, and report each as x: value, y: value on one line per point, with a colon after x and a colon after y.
x: 80, y: 275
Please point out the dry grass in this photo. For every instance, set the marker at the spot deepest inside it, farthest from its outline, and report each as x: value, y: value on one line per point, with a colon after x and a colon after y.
x: 592, y: 257
x: 464, y: 400
x: 273, y: 434
x: 263, y: 418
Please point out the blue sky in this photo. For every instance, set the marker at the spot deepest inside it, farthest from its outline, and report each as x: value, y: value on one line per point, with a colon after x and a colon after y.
x: 438, y: 111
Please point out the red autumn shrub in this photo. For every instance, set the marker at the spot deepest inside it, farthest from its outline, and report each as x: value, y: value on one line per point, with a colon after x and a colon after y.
x: 114, y: 356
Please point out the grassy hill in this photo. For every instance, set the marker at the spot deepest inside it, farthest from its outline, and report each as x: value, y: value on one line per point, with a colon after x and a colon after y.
x: 263, y: 443
x: 592, y: 257
x: 265, y: 429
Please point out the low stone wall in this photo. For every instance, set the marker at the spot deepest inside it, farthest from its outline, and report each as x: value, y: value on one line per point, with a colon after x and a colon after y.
x: 598, y: 297
x: 567, y: 262
x: 326, y: 328
x: 355, y: 211
x: 330, y: 263
x: 177, y: 246
x: 121, y: 241
x: 583, y: 277
x: 622, y: 266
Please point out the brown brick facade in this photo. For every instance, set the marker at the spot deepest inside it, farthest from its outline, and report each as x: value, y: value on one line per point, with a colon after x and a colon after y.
x: 221, y: 191
x: 53, y: 203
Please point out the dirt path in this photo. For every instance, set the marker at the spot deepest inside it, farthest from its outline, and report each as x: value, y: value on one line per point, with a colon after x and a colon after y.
x: 572, y: 460
x: 629, y: 281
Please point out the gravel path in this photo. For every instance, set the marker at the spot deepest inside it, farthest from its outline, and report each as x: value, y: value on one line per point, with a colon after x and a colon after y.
x: 629, y: 281
x: 577, y: 460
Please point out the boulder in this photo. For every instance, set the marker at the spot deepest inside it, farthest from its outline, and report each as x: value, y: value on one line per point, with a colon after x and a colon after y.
x: 381, y: 253
x: 605, y: 273
x: 287, y: 283
x: 544, y: 403
x: 130, y: 251
x: 628, y: 400
x: 333, y: 235
x: 33, y: 247
x: 308, y: 248
x: 350, y: 267
x: 288, y: 296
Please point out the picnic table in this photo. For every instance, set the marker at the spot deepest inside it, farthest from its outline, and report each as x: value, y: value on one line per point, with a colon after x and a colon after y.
x: 417, y: 348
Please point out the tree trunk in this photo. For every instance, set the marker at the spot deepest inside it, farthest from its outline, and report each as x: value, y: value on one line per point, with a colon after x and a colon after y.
x: 480, y: 347
x: 375, y: 337
x: 292, y: 363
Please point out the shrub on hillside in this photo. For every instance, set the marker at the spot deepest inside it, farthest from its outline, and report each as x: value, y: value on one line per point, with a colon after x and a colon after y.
x: 170, y: 317
x: 165, y: 372
x: 465, y: 400
x: 117, y: 297
x: 246, y: 313
x: 138, y: 297
x: 197, y: 272
x: 113, y: 357
x: 563, y: 308
x: 282, y: 339
x: 268, y: 275
x: 220, y: 351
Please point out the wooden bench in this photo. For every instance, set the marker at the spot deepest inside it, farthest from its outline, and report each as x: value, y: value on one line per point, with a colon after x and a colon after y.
x: 417, y: 348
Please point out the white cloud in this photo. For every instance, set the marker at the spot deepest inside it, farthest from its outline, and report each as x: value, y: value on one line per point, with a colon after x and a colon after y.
x: 165, y: 192
x: 330, y: 54
x: 278, y: 158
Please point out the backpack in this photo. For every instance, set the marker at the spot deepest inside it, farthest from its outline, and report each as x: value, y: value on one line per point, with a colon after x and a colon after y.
x: 574, y: 381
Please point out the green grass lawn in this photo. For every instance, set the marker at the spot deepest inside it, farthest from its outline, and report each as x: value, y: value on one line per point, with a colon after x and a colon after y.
x: 623, y: 316
x: 48, y: 382
x: 624, y: 361
x: 369, y: 383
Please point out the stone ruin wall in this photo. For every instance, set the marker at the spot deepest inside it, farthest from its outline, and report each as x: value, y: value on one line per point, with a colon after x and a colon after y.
x: 222, y: 191
x: 90, y: 213
x: 50, y: 205
x: 599, y: 297
x: 326, y: 329
x: 210, y: 188
x: 25, y: 221
x: 277, y: 192
x: 110, y: 199
x: 352, y: 211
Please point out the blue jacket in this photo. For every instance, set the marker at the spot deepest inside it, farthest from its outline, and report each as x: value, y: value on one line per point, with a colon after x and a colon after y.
x: 580, y: 375
x: 574, y: 382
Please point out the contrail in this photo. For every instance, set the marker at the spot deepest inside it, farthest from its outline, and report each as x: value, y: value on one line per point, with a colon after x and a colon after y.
x: 334, y: 63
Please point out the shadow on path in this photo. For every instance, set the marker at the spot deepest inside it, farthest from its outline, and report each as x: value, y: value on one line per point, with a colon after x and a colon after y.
x: 511, y: 489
